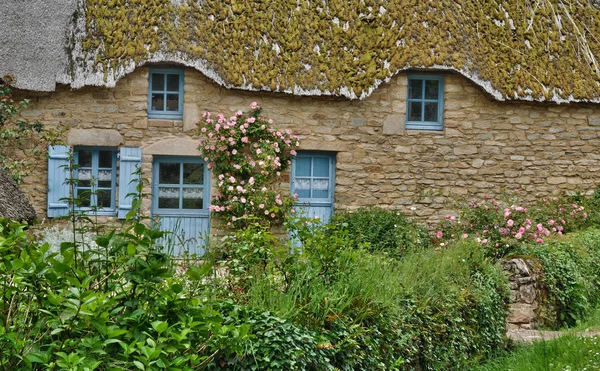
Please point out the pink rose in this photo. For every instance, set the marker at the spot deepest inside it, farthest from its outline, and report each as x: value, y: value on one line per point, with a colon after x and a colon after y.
x: 510, y: 223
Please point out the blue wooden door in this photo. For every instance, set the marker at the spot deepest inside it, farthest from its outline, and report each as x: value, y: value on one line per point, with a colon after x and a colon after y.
x: 180, y: 203
x: 313, y: 180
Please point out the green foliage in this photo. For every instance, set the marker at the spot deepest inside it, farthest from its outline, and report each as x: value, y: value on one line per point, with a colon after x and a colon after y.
x: 381, y: 230
x: 571, y: 276
x: 428, y: 309
x: 22, y: 143
x: 121, y: 307
x: 565, y: 353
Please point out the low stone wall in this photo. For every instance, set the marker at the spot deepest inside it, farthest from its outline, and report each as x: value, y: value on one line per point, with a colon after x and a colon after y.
x: 526, y: 292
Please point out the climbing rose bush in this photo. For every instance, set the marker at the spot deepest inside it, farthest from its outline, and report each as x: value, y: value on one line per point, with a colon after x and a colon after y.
x: 247, y: 155
x: 501, y: 225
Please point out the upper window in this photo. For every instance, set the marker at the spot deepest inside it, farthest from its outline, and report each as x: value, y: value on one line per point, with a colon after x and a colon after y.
x: 165, y: 94
x: 96, y: 175
x: 425, y: 103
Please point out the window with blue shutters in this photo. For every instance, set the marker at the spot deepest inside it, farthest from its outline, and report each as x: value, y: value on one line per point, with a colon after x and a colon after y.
x: 313, y: 180
x: 165, y: 94
x: 425, y: 103
x: 96, y: 173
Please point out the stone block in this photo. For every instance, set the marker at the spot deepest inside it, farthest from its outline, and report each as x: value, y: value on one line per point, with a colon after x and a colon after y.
x: 191, y: 115
x: 466, y: 149
x: 521, y: 313
x: 94, y: 137
x: 594, y: 120
x: 394, y: 125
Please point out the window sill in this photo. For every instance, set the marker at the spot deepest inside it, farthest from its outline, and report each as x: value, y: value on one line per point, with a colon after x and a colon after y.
x: 158, y: 116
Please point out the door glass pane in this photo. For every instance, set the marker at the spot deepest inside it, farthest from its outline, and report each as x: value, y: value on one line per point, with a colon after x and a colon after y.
x: 193, y: 174
x: 431, y: 89
x: 158, y: 81
x: 85, y: 158
x: 172, y: 102
x: 105, y: 159
x: 320, y: 188
x: 415, y: 89
x: 104, y: 198
x: 168, y: 173
x: 173, y: 82
x: 193, y: 198
x: 431, y: 111
x: 302, y: 166
x: 321, y: 167
x: 414, y: 111
x: 168, y: 198
x: 302, y: 187
x: 158, y: 102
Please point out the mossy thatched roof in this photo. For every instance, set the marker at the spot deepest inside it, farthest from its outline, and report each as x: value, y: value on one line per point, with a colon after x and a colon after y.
x: 13, y: 203
x: 543, y: 50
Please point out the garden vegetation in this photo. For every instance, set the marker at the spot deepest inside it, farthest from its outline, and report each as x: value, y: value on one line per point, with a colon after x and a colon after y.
x: 371, y: 290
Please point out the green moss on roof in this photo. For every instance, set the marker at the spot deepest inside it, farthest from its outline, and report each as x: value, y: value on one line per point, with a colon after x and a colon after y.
x: 543, y: 50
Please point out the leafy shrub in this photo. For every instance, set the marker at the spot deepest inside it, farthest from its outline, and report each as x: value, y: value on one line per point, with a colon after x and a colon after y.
x: 381, y: 230
x: 571, y: 276
x: 428, y: 310
x: 121, y: 307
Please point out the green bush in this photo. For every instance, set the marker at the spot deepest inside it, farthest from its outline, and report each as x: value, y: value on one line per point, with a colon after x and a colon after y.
x: 571, y: 275
x: 427, y: 310
x: 121, y: 306
x: 381, y: 230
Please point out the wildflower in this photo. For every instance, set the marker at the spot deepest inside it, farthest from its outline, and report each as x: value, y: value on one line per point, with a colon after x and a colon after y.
x: 439, y: 234
x: 233, y: 218
x: 465, y: 235
x: 539, y: 240
x: 518, y: 236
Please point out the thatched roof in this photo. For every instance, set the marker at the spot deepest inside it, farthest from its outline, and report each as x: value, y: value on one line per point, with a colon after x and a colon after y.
x: 13, y: 203
x: 527, y: 50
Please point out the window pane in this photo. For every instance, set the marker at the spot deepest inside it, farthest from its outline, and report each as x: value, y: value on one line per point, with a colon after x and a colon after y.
x: 105, y: 159
x: 168, y: 173
x: 85, y: 158
x: 302, y: 166
x: 321, y: 167
x: 104, y: 198
x: 320, y: 188
x: 173, y: 83
x: 158, y: 102
x: 105, y: 178
x: 193, y: 198
x: 414, y: 111
x: 85, y: 177
x: 415, y: 89
x: 158, y: 81
x: 84, y: 198
x: 431, y: 111
x: 302, y: 187
x: 193, y: 174
x: 168, y: 198
x: 431, y: 89
x: 172, y: 102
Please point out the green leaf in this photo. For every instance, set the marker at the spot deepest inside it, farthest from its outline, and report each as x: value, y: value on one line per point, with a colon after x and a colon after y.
x: 139, y: 365
x: 131, y: 249
x: 139, y: 228
x: 160, y: 326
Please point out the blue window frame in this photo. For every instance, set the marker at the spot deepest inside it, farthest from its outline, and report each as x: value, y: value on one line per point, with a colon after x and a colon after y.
x: 165, y: 94
x: 425, y: 103
x: 180, y: 186
x: 313, y: 177
x: 96, y: 178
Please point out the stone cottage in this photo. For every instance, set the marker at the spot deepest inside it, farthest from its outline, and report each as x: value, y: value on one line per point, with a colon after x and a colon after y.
x: 400, y: 104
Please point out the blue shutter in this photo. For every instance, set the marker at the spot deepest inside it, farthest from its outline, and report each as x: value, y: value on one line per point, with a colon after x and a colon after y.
x: 129, y: 158
x: 58, y: 190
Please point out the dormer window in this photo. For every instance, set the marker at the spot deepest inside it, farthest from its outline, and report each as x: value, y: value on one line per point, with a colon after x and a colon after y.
x: 425, y: 103
x: 165, y: 94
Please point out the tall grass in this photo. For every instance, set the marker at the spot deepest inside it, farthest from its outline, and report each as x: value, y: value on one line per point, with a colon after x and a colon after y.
x: 566, y: 353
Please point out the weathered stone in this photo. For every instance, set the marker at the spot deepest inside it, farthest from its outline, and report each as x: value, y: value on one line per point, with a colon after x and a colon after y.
x: 394, y: 125
x: 468, y: 149
x: 557, y: 180
x: 521, y: 313
x: 527, y: 293
x: 94, y: 137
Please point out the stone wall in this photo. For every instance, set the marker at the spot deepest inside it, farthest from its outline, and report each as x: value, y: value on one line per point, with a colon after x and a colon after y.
x: 485, y: 146
x: 526, y: 293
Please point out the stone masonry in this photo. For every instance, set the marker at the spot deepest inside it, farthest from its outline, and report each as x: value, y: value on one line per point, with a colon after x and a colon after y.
x: 525, y: 293
x: 486, y: 145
